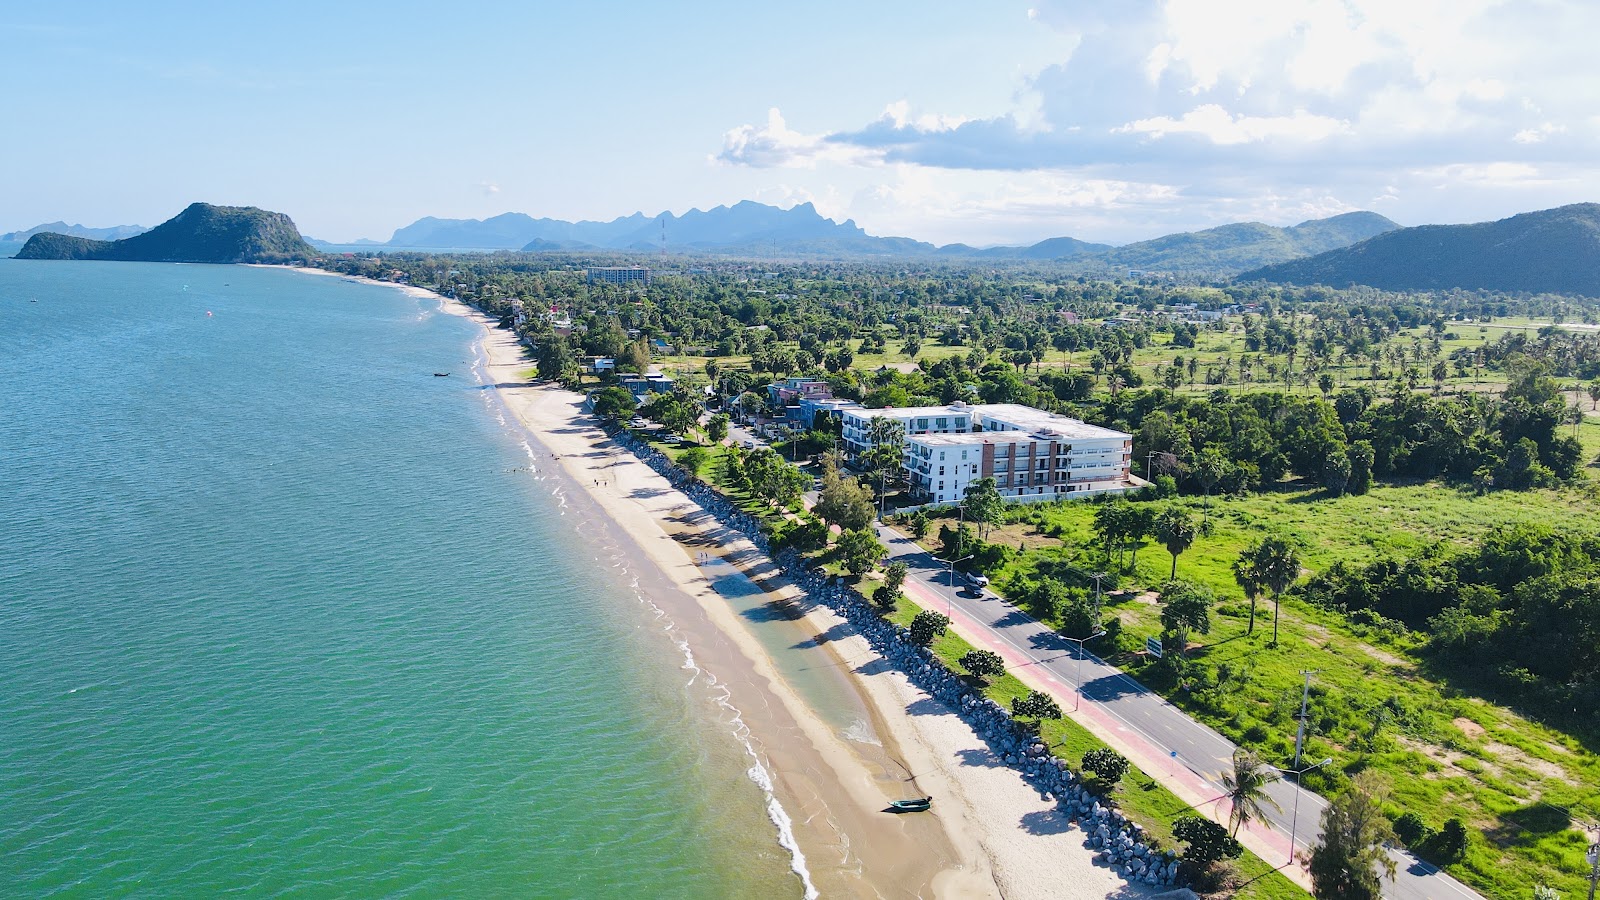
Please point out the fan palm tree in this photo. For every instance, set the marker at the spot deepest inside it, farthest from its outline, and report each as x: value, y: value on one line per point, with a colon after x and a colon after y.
x: 1247, y: 789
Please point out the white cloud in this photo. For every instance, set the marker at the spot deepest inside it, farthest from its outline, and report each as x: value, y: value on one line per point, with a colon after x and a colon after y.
x: 1268, y: 108
x: 775, y: 144
x: 1538, y: 133
x: 1220, y: 127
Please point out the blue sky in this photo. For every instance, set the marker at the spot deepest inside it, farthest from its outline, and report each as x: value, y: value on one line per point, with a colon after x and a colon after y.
x: 978, y: 122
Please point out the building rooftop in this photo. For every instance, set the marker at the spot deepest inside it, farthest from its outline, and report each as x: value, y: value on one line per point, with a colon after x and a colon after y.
x: 1037, y: 421
x: 914, y: 412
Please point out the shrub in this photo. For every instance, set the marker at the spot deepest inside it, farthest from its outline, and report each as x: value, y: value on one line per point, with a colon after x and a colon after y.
x: 1036, y: 705
x: 926, y: 626
x: 1107, y: 765
x: 1412, y: 830
x: 983, y: 663
x: 1451, y: 842
x: 1208, y: 841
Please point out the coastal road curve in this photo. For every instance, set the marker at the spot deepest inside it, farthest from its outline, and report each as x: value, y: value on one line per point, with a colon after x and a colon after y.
x: 1185, y: 755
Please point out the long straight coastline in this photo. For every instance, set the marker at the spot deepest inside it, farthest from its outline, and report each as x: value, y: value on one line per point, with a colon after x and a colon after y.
x: 990, y: 833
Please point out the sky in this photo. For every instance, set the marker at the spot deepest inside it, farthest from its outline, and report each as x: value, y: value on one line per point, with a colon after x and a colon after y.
x: 977, y: 122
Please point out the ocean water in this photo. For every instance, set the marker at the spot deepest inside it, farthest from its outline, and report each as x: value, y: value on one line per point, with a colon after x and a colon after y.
x: 282, y: 614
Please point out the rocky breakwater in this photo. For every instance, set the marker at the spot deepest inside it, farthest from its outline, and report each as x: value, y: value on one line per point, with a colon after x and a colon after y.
x: 1120, y: 842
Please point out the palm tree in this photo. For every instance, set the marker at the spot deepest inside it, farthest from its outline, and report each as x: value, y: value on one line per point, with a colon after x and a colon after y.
x: 1247, y: 789
x: 1244, y: 573
x: 1175, y: 530
x: 1272, y: 564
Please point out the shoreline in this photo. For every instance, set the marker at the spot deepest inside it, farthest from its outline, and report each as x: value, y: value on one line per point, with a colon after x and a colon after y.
x: 990, y: 833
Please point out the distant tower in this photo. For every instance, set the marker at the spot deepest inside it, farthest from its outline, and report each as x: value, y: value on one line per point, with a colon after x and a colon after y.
x: 663, y: 235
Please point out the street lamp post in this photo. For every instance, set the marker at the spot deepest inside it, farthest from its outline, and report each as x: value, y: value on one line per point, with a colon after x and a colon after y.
x: 1294, y: 817
x: 1078, y: 688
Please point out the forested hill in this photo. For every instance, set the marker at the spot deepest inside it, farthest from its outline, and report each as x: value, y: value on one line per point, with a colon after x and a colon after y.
x: 202, y: 233
x: 1246, y: 245
x: 1553, y: 251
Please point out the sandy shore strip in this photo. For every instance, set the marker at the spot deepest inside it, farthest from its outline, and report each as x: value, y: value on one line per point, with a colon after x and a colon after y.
x: 1005, y: 836
x: 990, y: 834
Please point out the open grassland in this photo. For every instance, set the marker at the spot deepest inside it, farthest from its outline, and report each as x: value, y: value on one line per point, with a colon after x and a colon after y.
x: 1523, y: 787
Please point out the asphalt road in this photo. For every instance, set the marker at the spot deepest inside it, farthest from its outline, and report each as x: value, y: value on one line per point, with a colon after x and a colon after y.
x: 1134, y: 709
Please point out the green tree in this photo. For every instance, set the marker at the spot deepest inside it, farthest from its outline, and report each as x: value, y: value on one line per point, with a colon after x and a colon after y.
x: 888, y: 595
x: 1185, y: 608
x: 555, y: 360
x: 926, y: 626
x: 613, y: 402
x: 1107, y: 765
x: 985, y: 507
x: 1176, y: 531
x: 694, y: 460
x: 1246, y: 786
x: 1208, y: 842
x: 860, y: 551
x: 1346, y: 862
x: 717, y: 427
x: 842, y: 501
x: 1361, y: 456
x: 983, y: 664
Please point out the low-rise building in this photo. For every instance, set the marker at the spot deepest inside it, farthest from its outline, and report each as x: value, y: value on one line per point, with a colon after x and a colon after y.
x: 1032, y: 454
x: 640, y: 385
x: 786, y: 396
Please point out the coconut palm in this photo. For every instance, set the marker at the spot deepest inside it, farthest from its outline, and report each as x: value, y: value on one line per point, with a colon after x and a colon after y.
x: 1247, y: 789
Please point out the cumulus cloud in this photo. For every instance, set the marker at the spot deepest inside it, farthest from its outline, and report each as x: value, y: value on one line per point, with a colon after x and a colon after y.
x: 1331, y: 103
x: 774, y: 144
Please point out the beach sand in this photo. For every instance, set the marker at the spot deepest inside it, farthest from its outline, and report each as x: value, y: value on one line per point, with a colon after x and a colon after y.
x: 989, y: 834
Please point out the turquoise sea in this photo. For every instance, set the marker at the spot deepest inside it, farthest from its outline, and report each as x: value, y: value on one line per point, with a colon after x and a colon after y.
x: 282, y: 614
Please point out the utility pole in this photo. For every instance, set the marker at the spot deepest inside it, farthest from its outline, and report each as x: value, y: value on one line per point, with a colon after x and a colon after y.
x: 1300, y: 735
x: 1097, y: 576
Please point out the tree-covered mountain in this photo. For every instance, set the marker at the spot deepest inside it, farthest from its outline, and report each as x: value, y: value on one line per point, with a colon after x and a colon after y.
x: 114, y: 233
x: 1550, y: 251
x: 202, y: 233
x: 756, y: 229
x: 1245, y: 245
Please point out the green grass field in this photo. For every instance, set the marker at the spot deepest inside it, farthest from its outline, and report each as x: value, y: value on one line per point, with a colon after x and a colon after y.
x: 1451, y: 753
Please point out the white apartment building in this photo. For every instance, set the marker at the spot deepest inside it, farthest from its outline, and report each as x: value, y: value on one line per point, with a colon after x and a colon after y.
x: 1033, y: 455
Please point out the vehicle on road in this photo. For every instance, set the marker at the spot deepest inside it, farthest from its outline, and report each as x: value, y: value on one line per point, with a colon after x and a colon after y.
x: 977, y: 582
x: 749, y: 444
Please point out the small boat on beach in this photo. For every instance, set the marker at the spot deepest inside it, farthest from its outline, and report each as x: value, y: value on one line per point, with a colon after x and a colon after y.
x: 919, y: 804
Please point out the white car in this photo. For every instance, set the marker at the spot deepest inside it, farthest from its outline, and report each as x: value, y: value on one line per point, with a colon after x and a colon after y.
x: 749, y: 444
x: 977, y: 582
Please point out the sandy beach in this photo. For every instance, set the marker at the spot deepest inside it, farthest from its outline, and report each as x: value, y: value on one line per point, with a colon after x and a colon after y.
x: 989, y: 835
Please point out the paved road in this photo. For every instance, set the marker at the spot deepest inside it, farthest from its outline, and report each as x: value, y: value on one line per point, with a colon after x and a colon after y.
x: 1185, y: 755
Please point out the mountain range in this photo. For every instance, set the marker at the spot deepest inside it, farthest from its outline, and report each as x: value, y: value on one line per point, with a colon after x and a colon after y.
x: 1552, y: 250
x: 756, y: 229
x: 114, y: 233
x: 202, y: 233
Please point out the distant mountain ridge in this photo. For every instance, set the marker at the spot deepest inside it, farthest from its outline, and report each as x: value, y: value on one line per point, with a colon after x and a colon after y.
x: 202, y: 233
x: 756, y: 229
x: 113, y: 233
x: 1547, y: 251
x: 1245, y: 245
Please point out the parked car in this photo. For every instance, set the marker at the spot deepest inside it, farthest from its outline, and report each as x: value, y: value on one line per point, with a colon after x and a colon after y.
x: 749, y: 444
